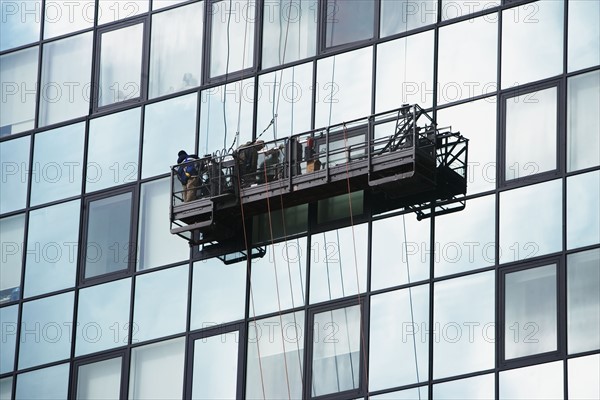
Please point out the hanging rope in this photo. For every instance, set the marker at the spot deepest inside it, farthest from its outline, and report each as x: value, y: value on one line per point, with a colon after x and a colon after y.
x: 412, y: 317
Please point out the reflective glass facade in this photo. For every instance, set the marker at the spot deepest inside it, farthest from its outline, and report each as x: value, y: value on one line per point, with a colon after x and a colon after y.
x: 98, y: 300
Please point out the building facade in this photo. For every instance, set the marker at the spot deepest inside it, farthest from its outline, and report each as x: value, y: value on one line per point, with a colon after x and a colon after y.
x: 98, y: 300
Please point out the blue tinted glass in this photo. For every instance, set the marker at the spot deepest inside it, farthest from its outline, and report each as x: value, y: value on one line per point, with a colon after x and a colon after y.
x: 8, y: 321
x: 15, y: 166
x: 44, y: 384
x: 12, y: 230
x: 20, y: 22
x: 583, y: 210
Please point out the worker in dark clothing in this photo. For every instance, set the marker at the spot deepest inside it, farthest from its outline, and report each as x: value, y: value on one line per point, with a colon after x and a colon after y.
x: 188, y: 174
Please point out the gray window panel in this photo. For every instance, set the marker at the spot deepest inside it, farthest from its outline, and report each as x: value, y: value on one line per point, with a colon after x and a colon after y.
x: 473, y: 245
x: 338, y: 207
x: 12, y: 230
x: 399, y: 331
x: 584, y: 34
x: 176, y: 50
x: 405, y: 72
x: 43, y: 384
x: 156, y: 245
x: 583, y: 301
x: 467, y: 327
x: 538, y: 382
x: 583, y: 377
x: 18, y: 77
x: 532, y: 42
x: 459, y: 8
x: 583, y: 121
x: 394, y: 257
x: 113, y: 150
x: 348, y: 22
x: 419, y: 393
x: 283, y: 267
x: 45, y: 331
x: 108, y: 247
x: 344, y: 87
x: 20, y: 23
x: 215, y: 367
x: 120, y: 65
x: 289, y: 31
x: 280, y: 346
x: 218, y: 293
x: 220, y: 114
x: 114, y: 10
x: 530, y: 227
x: 478, y: 387
x: 6, y: 388
x: 336, y: 365
x: 477, y: 121
x: 169, y: 126
x: 287, y: 95
x: 403, y: 15
x: 531, y: 130
x: 15, y: 166
x: 99, y: 380
x: 296, y: 221
x: 8, y: 321
x: 530, y: 320
x: 158, y: 4
x: 51, y: 259
x: 66, y: 70
x: 156, y: 370
x: 103, y: 317
x: 338, y: 263
x: 57, y: 164
x: 467, y: 59
x: 583, y: 210
x: 160, y: 305
x: 233, y: 19
x: 65, y: 16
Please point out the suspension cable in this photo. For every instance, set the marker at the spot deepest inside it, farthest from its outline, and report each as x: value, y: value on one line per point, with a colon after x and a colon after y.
x: 412, y: 317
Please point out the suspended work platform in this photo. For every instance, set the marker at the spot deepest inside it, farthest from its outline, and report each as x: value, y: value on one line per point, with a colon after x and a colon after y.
x: 400, y: 157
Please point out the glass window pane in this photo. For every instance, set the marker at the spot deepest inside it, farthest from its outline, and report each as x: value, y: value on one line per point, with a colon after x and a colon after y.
x: 532, y: 42
x: 158, y: 4
x: 113, y: 150
x: 65, y: 16
x: 175, y: 50
x: 467, y: 59
x: 338, y: 207
x: 156, y: 370
x: 348, y: 22
x: 336, y: 365
x: 114, y: 10
x: 66, y: 71
x: 15, y: 165
x: 530, y: 227
x: 100, y: 380
x: 289, y: 31
x: 18, y: 77
x: 530, y: 324
x: 52, y: 252
x: 12, y: 230
x: 399, y: 331
x: 478, y: 387
x: 169, y: 126
x: 334, y: 267
x: 417, y: 393
x: 344, y: 91
x: 583, y: 301
x: 108, y: 247
x: 471, y: 246
x: 6, y: 388
x: 120, y: 65
x: 405, y: 72
x: 103, y: 317
x: 215, y: 367
x: 531, y: 129
x: 387, y: 269
x: 583, y: 121
x: 538, y: 382
x: 583, y: 377
x: 584, y: 34
x: 45, y: 331
x: 43, y: 384
x: 403, y: 15
x: 464, y: 310
x: 20, y: 23
x: 57, y: 164
x: 155, y: 316
x: 8, y: 321
x: 232, y: 36
x: 583, y: 210
x: 459, y: 8
x: 218, y: 293
x: 156, y: 245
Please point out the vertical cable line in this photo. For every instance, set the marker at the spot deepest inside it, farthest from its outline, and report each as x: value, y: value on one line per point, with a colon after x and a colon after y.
x: 227, y: 73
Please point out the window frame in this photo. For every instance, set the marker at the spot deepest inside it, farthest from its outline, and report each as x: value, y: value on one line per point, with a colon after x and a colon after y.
x: 324, y: 16
x: 103, y: 356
